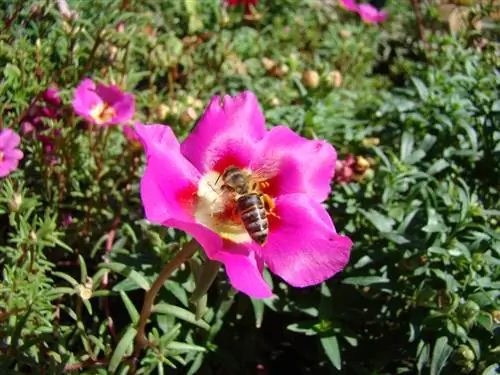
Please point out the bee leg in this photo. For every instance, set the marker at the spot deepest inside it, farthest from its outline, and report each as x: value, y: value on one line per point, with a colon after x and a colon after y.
x: 269, y: 205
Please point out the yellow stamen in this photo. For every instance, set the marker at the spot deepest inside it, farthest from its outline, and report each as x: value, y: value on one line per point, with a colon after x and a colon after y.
x: 102, y: 112
x: 212, y: 208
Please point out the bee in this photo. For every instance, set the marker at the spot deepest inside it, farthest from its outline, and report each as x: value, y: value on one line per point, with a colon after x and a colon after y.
x: 252, y: 206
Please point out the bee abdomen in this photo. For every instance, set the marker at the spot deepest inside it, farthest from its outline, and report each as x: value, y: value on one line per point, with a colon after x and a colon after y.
x: 254, y: 218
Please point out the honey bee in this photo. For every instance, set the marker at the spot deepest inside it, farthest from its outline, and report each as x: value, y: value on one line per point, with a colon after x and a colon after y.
x: 252, y: 206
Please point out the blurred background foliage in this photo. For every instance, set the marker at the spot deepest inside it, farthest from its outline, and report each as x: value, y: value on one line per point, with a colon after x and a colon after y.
x: 420, y: 116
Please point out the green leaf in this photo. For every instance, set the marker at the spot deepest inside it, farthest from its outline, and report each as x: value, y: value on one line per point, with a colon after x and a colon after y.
x: 187, y: 316
x: 381, y: 222
x: 493, y: 369
x: 132, y: 311
x: 258, y: 309
x: 422, y: 90
x: 440, y: 355
x: 330, y: 345
x: 365, y: 280
x: 184, y: 347
x: 128, y: 272
x: 124, y: 345
x: 83, y: 269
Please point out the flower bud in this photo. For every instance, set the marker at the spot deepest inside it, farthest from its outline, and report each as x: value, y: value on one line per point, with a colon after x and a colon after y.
x: 15, y: 202
x: 268, y: 64
x: 85, y: 290
x: 345, y: 34
x: 274, y: 102
x: 371, y: 141
x: 335, y: 78
x: 188, y: 116
x: 468, y: 312
x: 162, y: 111
x: 462, y: 355
x: 279, y: 70
x: 496, y: 316
x: 310, y: 78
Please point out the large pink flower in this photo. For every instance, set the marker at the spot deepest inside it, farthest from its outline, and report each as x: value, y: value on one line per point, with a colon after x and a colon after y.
x: 9, y: 152
x: 349, y: 5
x: 102, y: 104
x: 181, y: 188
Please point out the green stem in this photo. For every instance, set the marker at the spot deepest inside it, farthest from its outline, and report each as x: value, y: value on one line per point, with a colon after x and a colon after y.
x: 182, y: 256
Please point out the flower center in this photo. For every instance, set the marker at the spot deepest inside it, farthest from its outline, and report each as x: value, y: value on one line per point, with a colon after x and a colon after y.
x: 216, y: 209
x: 1, y: 156
x: 102, y: 112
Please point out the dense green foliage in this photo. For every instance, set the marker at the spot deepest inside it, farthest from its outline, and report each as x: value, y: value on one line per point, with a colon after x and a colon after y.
x: 421, y: 291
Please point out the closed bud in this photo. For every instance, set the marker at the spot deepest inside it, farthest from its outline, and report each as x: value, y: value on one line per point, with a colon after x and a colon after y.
x: 335, y: 79
x: 371, y: 141
x: 268, y: 64
x: 310, y: 78
x: 274, y: 102
x: 188, y: 116
x: 468, y: 312
x: 162, y: 111
x: 496, y: 316
x: 345, y: 34
x: 15, y: 202
x: 462, y: 355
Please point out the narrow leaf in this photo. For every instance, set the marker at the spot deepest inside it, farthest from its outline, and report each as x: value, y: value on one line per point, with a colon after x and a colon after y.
x: 123, y: 346
x: 330, y: 345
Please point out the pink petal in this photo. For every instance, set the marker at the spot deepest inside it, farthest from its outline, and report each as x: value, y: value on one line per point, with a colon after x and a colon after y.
x: 124, y: 109
x: 304, y: 166
x: 371, y: 14
x: 349, y: 5
x: 85, y: 98
x: 243, y: 271
x: 15, y: 155
x: 9, y: 139
x: 7, y: 166
x: 169, y: 183
x: 242, y: 267
x: 109, y: 93
x: 226, y: 133
x: 303, y: 247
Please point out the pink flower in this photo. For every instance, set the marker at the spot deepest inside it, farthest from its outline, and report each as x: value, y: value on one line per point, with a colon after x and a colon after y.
x: 182, y: 188
x: 344, y: 169
x: 367, y: 12
x: 103, y: 104
x: 370, y: 14
x: 349, y: 5
x: 9, y: 152
x: 246, y: 3
x: 132, y: 136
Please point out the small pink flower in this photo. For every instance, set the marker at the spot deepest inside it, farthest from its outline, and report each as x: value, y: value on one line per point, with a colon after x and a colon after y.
x: 370, y: 14
x: 132, y: 136
x: 344, y: 169
x: 367, y: 12
x: 349, y: 5
x: 182, y: 188
x: 103, y: 104
x: 9, y: 152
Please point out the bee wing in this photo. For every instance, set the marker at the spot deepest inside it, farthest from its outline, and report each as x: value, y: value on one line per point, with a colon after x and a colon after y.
x: 266, y: 171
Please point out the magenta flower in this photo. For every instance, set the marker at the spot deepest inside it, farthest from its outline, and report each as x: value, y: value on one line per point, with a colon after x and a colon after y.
x: 367, y: 12
x: 132, y: 136
x: 103, y: 104
x: 9, y: 152
x: 349, y: 5
x: 182, y: 188
x: 370, y: 14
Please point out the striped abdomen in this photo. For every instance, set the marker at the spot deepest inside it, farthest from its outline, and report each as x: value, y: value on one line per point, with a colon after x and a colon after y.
x: 254, y: 217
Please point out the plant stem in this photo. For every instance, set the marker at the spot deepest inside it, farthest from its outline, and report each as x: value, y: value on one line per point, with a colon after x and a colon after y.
x: 182, y: 256
x: 420, y: 24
